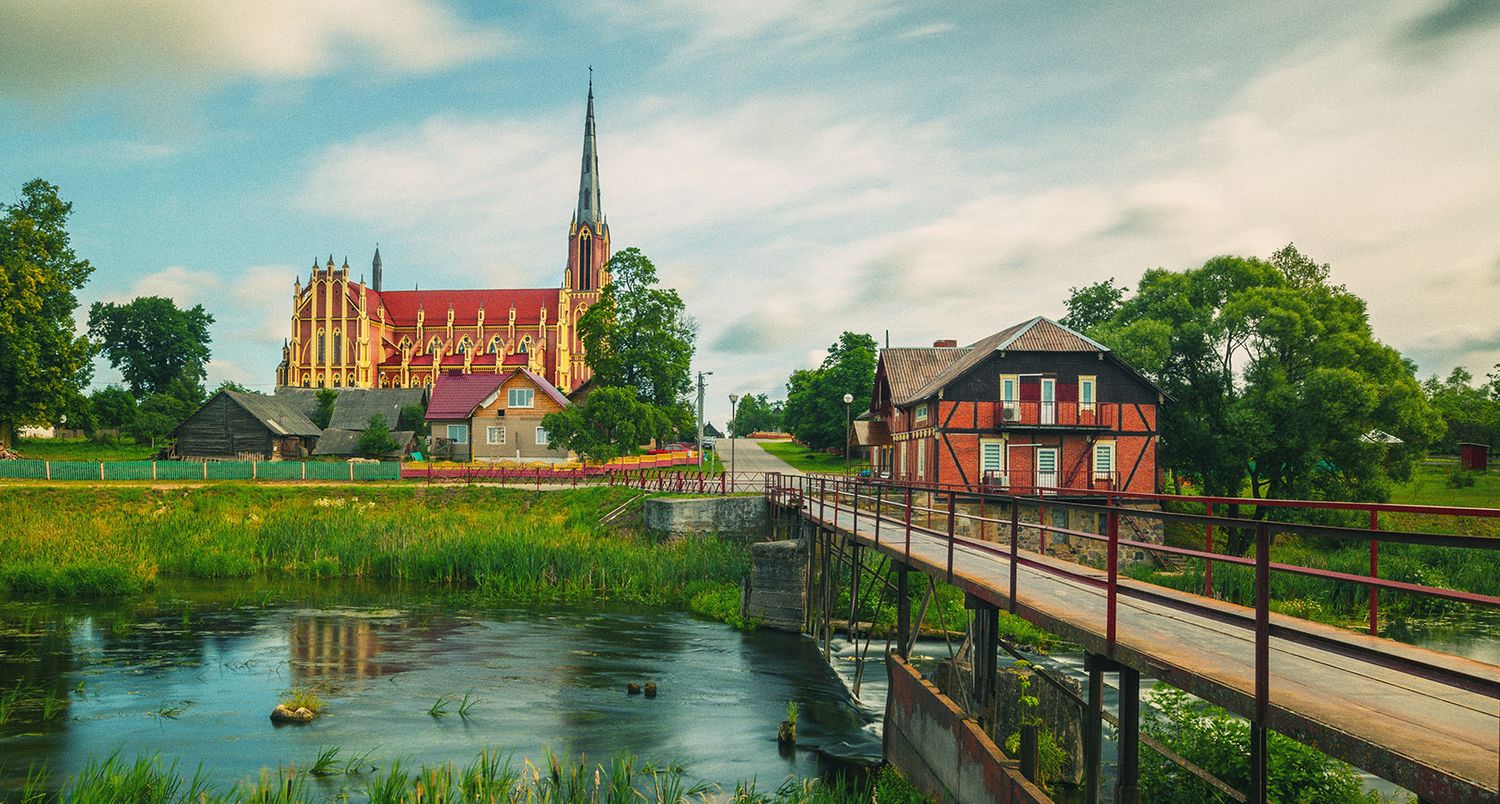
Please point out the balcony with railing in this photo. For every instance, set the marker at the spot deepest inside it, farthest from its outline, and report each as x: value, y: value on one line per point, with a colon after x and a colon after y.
x: 1042, y: 482
x: 1088, y: 415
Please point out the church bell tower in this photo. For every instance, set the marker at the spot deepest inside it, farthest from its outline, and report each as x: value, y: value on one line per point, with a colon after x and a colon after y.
x: 588, y: 234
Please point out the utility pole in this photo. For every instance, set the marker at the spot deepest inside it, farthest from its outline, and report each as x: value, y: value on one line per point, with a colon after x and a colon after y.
x: 848, y: 399
x: 733, y: 434
x: 701, y: 386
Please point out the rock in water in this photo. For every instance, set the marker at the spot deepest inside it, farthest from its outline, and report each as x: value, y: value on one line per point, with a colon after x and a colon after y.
x: 650, y: 689
x: 786, y: 733
x: 633, y: 688
x: 283, y: 714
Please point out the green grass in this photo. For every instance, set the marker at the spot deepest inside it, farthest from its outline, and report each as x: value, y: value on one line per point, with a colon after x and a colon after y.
x: 81, y: 449
x: 303, y: 699
x: 488, y: 777
x: 1429, y: 486
x: 806, y: 460
x: 500, y: 544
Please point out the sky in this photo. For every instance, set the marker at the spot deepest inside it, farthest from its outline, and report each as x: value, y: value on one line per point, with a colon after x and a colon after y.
x: 930, y: 170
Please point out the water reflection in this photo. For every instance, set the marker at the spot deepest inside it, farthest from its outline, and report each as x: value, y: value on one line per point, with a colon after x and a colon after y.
x: 191, y: 673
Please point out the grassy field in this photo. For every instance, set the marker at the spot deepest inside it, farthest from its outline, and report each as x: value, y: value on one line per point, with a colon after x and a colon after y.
x: 1429, y: 486
x: 502, y: 543
x: 81, y: 449
x: 804, y: 459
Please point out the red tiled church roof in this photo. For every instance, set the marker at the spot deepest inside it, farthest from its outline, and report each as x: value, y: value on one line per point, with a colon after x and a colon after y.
x: 401, y: 305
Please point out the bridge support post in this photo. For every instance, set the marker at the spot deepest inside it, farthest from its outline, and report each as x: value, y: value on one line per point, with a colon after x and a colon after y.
x: 986, y: 647
x: 855, y: 566
x: 1093, y: 726
x: 903, y: 611
x: 1128, y: 788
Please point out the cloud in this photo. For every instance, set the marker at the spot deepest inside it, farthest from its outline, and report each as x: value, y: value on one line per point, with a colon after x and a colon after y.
x: 178, y: 283
x: 704, y: 27
x: 1450, y: 20
x: 60, y: 48
x: 924, y: 31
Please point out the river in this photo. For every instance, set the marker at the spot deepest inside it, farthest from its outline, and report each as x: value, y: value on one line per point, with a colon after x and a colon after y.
x: 191, y: 672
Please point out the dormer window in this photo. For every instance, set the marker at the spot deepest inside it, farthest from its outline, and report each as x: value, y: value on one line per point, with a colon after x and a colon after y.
x: 921, y: 413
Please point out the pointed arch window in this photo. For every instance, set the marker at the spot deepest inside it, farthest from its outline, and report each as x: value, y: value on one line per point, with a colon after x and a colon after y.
x: 585, y: 260
x: 322, y: 346
x: 435, y: 345
x: 338, y: 346
x: 464, y: 346
x: 524, y: 346
x: 494, y: 347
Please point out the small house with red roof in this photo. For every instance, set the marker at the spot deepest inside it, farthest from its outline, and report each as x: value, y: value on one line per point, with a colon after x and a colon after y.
x: 488, y: 417
x: 1035, y: 406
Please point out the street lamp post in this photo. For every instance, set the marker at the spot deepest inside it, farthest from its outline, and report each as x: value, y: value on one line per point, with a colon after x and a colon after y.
x: 733, y: 433
x: 848, y: 423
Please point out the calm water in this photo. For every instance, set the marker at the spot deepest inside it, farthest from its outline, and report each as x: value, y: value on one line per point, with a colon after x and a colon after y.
x: 551, y: 679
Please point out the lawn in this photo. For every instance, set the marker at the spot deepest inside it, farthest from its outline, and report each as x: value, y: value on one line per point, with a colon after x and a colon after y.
x: 804, y: 459
x: 81, y: 449
x: 1429, y: 486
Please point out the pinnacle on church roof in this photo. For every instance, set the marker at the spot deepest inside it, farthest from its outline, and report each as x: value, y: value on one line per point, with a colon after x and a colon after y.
x: 588, y: 210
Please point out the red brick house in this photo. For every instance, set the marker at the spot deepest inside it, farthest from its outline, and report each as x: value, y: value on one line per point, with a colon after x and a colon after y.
x: 1035, y: 405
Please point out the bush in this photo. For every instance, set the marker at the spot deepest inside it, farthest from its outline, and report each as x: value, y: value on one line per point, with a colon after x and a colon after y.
x: 1460, y: 478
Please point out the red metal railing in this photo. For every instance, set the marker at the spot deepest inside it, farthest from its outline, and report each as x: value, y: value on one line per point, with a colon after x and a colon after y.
x: 782, y: 488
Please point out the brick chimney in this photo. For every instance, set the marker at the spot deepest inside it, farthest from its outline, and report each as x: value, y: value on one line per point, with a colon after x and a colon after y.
x: 945, y: 343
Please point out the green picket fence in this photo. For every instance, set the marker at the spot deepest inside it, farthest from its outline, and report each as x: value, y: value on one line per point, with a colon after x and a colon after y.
x: 195, y: 470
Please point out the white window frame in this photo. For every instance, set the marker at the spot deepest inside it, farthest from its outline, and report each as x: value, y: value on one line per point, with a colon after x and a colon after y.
x: 1090, y: 382
x: 1013, y: 392
x: 458, y: 433
x: 543, y: 438
x: 1105, y: 447
x: 494, y: 434
x: 921, y: 459
x: 513, y: 394
x: 921, y: 413
x: 998, y: 468
x: 903, y: 459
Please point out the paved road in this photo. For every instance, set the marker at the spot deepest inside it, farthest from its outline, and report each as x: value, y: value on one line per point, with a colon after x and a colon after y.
x: 750, y: 457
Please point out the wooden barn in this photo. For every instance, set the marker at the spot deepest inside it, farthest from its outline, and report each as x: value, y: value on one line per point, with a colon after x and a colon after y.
x: 235, y: 425
x: 1034, y: 406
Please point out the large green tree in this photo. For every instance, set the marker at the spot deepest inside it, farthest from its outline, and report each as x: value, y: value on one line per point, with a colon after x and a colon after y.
x: 1470, y: 414
x: 114, y: 406
x: 815, y: 411
x: 612, y: 422
x: 1276, y: 379
x: 44, y: 363
x: 152, y: 341
x: 638, y: 335
x: 756, y: 414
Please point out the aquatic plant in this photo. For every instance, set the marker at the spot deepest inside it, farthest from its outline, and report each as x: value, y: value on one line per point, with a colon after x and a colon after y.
x: 440, y: 708
x: 467, y: 704
x: 145, y: 779
x: 303, y: 699
x: 791, y: 712
x: 324, y: 764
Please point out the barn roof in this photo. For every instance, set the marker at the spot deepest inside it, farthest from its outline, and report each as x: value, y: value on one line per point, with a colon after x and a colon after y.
x: 346, y: 442
x: 353, y: 407
x: 278, y: 417
x: 908, y: 369
x: 455, y: 396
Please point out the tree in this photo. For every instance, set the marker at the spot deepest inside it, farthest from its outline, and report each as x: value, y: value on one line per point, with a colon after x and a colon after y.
x: 114, y: 406
x: 756, y: 414
x: 152, y: 341
x: 1092, y: 305
x: 414, y: 419
x: 1276, y: 378
x: 815, y: 410
x: 612, y: 422
x: 639, y: 335
x: 44, y: 363
x: 1469, y: 414
x: 376, y: 440
x: 324, y: 414
x: 158, y: 415
x: 231, y: 385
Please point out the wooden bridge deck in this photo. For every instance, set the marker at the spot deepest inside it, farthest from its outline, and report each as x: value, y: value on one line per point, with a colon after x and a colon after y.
x: 1437, y: 740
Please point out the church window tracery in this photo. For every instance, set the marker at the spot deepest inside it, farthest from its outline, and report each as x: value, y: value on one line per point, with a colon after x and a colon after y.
x: 435, y: 345
x: 338, y: 346
x: 322, y: 346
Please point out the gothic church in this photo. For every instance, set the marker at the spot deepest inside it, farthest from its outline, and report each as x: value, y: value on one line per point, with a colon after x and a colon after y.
x: 347, y: 334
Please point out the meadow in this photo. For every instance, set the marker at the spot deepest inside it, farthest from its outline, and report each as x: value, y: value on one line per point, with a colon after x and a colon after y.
x: 504, y: 544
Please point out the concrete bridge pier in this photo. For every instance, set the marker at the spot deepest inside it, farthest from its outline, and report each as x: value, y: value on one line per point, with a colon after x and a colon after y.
x: 1127, y: 784
x: 986, y: 649
x: 903, y: 608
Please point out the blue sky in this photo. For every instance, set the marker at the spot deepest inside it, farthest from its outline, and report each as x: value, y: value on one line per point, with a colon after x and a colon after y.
x: 795, y: 169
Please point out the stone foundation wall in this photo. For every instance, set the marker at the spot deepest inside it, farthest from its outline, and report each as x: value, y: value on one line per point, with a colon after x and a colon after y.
x: 776, y: 590
x: 1091, y: 552
x: 729, y: 517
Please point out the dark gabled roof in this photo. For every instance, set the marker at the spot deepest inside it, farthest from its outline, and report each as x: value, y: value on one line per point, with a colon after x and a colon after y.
x: 1037, y: 335
x: 355, y: 406
x: 455, y: 396
x: 278, y: 417
x: 909, y: 369
x: 346, y: 442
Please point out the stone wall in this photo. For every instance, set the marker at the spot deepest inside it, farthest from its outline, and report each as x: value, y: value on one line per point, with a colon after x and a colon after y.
x: 1092, y: 552
x: 1059, y: 713
x: 776, y: 591
x: 743, y: 517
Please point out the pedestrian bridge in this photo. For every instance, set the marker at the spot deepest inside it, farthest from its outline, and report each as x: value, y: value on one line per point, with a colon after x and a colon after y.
x: 1427, y: 721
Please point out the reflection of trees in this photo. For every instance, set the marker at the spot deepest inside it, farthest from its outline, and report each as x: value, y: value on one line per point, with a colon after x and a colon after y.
x: 36, y: 661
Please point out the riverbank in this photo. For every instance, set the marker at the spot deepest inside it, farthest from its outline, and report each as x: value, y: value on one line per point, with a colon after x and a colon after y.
x: 502, y: 544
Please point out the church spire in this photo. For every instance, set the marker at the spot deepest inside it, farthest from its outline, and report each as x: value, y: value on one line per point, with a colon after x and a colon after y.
x: 375, y: 269
x: 588, y: 211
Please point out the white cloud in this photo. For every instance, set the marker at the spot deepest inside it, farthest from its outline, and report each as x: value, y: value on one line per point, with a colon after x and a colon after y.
x: 178, y: 283
x: 702, y: 27
x: 60, y: 47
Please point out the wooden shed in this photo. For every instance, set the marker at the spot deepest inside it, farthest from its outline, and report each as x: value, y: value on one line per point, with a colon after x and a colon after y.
x: 1474, y: 457
x: 235, y: 425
